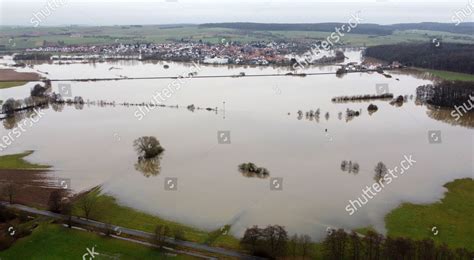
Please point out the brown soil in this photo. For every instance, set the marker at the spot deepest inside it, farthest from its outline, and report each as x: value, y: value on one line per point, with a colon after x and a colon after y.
x: 12, y: 75
x: 31, y: 187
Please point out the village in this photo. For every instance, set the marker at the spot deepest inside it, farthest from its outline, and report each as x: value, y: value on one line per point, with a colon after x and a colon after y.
x: 255, y: 53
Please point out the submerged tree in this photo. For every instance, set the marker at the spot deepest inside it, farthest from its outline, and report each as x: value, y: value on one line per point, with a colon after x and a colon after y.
x: 149, y: 151
x: 10, y: 105
x: 148, y: 147
x: 38, y: 91
x: 251, y: 170
x: 380, y: 171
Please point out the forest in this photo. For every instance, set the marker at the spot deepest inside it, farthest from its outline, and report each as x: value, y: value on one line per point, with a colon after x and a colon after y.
x: 439, y: 56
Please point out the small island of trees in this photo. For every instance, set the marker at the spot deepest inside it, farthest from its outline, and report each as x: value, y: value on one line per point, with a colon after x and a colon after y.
x: 149, y: 152
x: 252, y: 170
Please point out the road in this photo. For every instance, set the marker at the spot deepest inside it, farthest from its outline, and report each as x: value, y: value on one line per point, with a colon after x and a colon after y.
x: 192, y: 77
x: 133, y: 232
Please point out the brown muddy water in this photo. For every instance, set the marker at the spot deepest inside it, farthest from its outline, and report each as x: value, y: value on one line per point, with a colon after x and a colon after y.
x: 93, y: 146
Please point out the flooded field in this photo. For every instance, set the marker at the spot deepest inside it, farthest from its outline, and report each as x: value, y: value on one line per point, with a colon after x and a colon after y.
x: 94, y: 145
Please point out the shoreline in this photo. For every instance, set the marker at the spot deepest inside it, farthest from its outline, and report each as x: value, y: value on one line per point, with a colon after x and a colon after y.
x: 230, y: 241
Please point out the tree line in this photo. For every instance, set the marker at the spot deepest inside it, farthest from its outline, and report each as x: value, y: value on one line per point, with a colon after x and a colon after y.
x: 446, y: 93
x: 274, y: 242
x: 443, y: 56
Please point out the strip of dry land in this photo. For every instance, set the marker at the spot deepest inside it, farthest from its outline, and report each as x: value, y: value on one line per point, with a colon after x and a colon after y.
x: 11, y: 78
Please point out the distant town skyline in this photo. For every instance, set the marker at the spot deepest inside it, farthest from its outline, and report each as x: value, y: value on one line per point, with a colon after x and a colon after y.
x: 145, y: 12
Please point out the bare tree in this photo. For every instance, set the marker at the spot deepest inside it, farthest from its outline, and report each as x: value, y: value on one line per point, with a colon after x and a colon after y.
x: 161, y: 232
x: 148, y: 147
x: 380, y: 171
x: 55, y: 200
x: 356, y: 245
x: 67, y: 210
x: 87, y: 204
x: 10, y: 191
x: 10, y: 105
x: 293, y: 245
x: 305, y: 242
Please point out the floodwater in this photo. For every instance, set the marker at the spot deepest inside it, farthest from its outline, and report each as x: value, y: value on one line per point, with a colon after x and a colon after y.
x: 93, y: 146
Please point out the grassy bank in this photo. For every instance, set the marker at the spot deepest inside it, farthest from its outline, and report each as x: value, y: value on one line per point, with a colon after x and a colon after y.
x: 448, y: 75
x: 11, y: 84
x: 452, y: 217
x: 17, y: 161
x: 50, y: 241
x: 106, y: 209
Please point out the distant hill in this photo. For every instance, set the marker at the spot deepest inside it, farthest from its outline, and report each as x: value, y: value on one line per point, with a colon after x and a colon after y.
x: 372, y: 29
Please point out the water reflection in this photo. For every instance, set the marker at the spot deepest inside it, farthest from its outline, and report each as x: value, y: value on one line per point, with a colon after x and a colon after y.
x: 350, y: 167
x: 149, y: 152
x: 450, y: 102
x: 12, y: 121
x: 445, y: 115
x: 308, y: 163
x: 149, y: 167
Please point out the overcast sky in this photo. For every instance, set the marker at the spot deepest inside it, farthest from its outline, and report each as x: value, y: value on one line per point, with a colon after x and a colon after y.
x: 117, y: 12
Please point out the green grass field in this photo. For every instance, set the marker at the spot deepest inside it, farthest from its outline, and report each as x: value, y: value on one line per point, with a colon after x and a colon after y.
x: 448, y: 75
x: 17, y: 161
x: 107, y: 210
x: 452, y: 217
x: 17, y: 37
x: 4, y: 85
x: 49, y: 241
